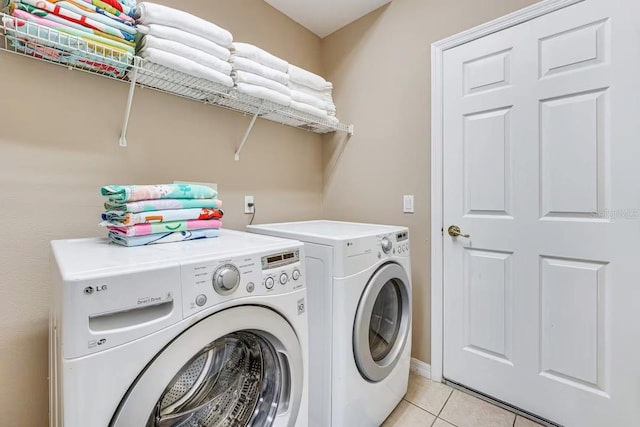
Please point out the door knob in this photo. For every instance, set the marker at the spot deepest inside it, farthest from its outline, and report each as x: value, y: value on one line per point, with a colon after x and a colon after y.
x: 454, y: 231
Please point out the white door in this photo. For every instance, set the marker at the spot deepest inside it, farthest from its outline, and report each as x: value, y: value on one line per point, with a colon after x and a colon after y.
x: 238, y: 367
x: 542, y: 170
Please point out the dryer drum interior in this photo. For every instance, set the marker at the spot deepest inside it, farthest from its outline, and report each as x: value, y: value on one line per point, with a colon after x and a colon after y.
x: 234, y: 381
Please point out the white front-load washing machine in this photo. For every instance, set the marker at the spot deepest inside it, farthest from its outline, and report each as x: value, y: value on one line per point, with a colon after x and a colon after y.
x: 204, y: 333
x: 359, y: 288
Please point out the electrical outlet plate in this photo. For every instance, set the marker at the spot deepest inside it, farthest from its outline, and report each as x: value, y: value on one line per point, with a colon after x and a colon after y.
x: 248, y: 209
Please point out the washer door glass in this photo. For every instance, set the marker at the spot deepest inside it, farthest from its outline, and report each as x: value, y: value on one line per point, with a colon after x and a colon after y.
x: 233, y: 381
x: 239, y: 367
x: 382, y: 322
x: 385, y: 321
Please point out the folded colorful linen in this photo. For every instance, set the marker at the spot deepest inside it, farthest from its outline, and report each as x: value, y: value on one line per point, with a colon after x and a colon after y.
x: 254, y: 79
x: 112, y: 34
x: 118, y: 218
x: 187, y: 66
x: 309, y: 109
x: 164, y: 227
x: 152, y: 13
x: 154, y: 239
x: 153, y: 42
x: 243, y: 64
x: 264, y: 93
x: 114, y: 7
x: 249, y: 51
x: 81, y: 13
x: 134, y: 193
x: 307, y: 78
x: 163, y: 204
x: 94, y: 44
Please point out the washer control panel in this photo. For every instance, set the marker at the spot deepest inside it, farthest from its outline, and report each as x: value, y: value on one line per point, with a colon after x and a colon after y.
x: 209, y: 283
x: 394, y: 244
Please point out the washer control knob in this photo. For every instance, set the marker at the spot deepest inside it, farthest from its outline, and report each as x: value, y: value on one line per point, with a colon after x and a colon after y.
x: 251, y: 287
x: 201, y: 300
x: 226, y: 279
x: 284, y: 279
x: 386, y: 245
x: 295, y: 274
x: 269, y: 282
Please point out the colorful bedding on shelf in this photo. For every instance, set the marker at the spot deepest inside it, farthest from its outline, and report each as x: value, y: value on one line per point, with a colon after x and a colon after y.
x: 84, y: 14
x: 112, y: 33
x: 66, y: 45
x: 114, y: 7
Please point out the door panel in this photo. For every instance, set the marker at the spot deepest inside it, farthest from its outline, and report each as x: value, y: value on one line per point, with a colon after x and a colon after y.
x: 541, y: 154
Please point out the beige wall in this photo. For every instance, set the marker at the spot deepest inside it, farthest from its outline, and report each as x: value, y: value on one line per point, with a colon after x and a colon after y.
x: 380, y: 67
x: 59, y: 143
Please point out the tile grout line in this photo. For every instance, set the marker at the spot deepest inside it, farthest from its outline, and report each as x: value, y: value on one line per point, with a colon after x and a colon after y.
x: 445, y: 404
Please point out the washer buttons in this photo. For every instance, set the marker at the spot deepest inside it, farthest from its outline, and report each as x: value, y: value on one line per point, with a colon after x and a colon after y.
x: 284, y: 279
x: 295, y: 274
x: 251, y: 287
x: 201, y: 300
x: 269, y: 282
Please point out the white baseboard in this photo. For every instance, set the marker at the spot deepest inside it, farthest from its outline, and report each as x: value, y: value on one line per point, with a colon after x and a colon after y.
x: 420, y: 368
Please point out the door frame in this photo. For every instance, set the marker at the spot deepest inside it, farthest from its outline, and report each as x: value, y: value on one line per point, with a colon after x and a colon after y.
x: 437, y: 161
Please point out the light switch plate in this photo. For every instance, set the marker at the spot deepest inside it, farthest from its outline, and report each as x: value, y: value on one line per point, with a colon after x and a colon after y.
x: 408, y: 204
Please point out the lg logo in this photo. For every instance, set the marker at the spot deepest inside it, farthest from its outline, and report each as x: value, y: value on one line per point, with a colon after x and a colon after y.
x: 91, y: 289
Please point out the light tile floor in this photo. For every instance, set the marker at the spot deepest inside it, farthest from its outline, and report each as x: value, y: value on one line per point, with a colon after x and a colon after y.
x: 431, y: 404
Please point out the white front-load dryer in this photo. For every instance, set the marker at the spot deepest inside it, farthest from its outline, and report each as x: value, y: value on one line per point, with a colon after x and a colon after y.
x: 203, y: 333
x: 359, y: 287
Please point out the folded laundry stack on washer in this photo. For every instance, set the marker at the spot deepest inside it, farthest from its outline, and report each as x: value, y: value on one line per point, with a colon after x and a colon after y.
x: 178, y: 41
x: 140, y: 215
x: 260, y: 74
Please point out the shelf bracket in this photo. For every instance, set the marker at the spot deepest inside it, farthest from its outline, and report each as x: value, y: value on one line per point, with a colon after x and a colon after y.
x: 127, y: 113
x: 246, y: 136
x: 350, y: 131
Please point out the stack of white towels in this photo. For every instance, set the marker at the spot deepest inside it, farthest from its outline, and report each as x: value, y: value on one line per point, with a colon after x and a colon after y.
x: 260, y: 74
x: 183, y: 42
x: 311, y: 94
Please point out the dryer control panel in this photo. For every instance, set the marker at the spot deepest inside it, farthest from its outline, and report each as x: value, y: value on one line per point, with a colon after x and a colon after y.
x: 210, y: 283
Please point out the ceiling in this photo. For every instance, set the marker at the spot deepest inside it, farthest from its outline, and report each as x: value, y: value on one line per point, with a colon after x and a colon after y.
x: 323, y: 17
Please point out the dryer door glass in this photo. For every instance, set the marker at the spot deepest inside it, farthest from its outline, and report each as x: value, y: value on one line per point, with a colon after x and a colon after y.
x: 385, y: 321
x: 236, y: 380
x: 382, y: 323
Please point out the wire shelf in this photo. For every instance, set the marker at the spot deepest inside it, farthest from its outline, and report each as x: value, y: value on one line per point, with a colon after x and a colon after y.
x: 80, y: 52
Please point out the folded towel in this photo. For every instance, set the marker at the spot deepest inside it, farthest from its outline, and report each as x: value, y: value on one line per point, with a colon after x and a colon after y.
x: 134, y: 193
x: 154, y: 239
x: 309, y: 109
x: 264, y: 93
x: 191, y: 40
x: 305, y: 98
x: 325, y: 95
x: 187, y: 66
x: 81, y: 13
x: 152, y: 42
x: 307, y: 78
x: 256, y: 80
x: 164, y: 227
x: 244, y: 64
x: 263, y: 57
x: 163, y: 204
x: 152, y: 13
x: 118, y: 218
x: 112, y: 34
